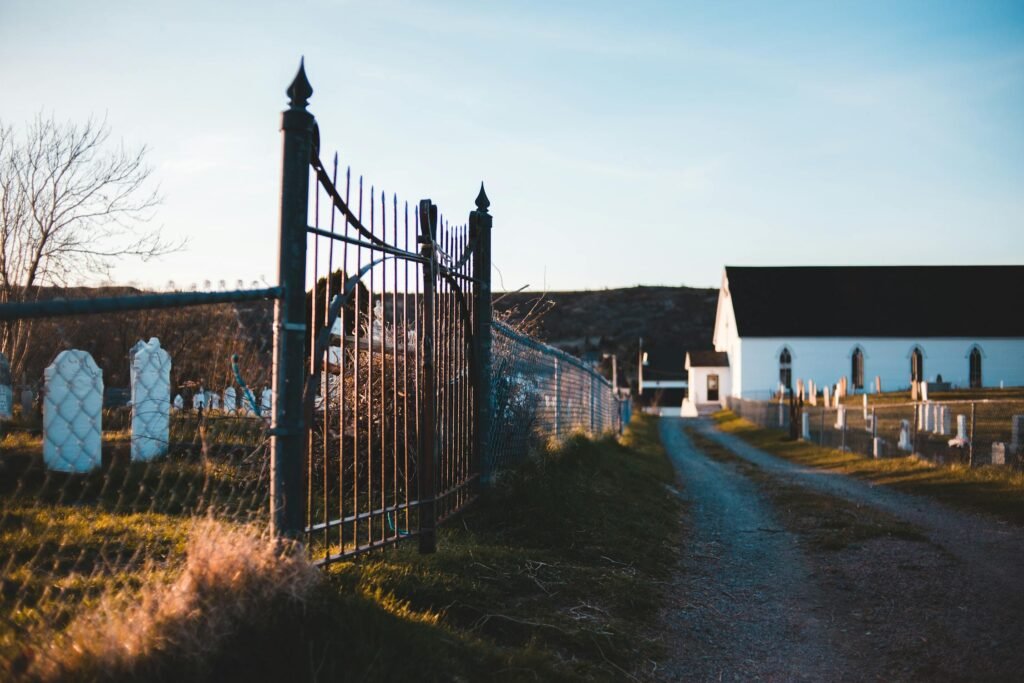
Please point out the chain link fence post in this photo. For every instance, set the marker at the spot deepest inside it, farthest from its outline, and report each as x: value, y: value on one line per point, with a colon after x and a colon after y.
x: 287, y: 441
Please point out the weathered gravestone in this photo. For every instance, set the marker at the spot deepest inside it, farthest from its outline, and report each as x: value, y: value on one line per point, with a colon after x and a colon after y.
x: 805, y: 426
x: 1017, y: 431
x: 72, y: 412
x: 878, y: 447
x: 6, y: 390
x: 998, y: 453
x: 841, y: 417
x: 864, y: 400
x: 151, y: 400
x: 961, y: 439
x: 179, y: 402
x: 904, y: 443
x: 214, y: 401
x: 266, y: 402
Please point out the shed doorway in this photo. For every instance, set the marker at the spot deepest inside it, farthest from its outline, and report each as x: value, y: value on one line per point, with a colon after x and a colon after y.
x: 712, y: 388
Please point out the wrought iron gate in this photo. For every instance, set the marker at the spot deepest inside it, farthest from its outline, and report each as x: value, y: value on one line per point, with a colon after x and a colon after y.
x: 382, y: 341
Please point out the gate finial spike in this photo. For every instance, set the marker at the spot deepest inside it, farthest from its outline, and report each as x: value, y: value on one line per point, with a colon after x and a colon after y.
x: 482, y: 202
x: 300, y: 89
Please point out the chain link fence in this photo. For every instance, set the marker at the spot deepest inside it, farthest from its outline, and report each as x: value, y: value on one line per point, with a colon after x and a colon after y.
x: 122, y: 431
x: 543, y: 394
x: 981, y: 432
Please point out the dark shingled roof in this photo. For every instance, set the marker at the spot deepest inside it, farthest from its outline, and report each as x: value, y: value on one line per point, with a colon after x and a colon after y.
x: 708, y: 359
x: 878, y: 301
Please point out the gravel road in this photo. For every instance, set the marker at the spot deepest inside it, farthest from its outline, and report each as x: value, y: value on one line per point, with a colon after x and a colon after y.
x: 751, y: 601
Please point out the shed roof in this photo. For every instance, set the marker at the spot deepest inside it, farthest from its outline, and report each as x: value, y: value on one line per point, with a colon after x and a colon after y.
x: 707, y: 359
x: 877, y: 301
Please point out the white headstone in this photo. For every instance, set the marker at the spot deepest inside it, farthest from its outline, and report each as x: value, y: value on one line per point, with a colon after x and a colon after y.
x: 229, y: 400
x: 961, y: 432
x: 878, y: 447
x: 1017, y: 431
x: 6, y: 390
x: 864, y: 400
x: 805, y: 426
x: 928, y: 417
x: 841, y: 417
x: 266, y: 401
x: 812, y: 393
x: 945, y: 421
x: 904, y: 444
x: 214, y: 401
x: 869, y: 423
x: 998, y: 453
x: 825, y: 395
x: 72, y: 413
x: 151, y: 400
x: 924, y: 391
x: 179, y: 402
x: 199, y: 399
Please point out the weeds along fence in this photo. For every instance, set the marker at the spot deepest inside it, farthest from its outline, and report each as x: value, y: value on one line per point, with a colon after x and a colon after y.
x: 979, y: 432
x: 542, y: 394
x: 359, y: 402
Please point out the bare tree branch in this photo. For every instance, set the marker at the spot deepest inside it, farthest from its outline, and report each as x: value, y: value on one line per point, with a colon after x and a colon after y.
x: 70, y: 204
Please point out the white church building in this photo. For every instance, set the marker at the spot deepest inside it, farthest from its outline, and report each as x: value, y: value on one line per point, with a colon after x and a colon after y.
x: 960, y: 326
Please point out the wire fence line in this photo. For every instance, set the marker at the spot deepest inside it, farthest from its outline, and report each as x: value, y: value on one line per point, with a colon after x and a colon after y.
x: 358, y: 403
x: 947, y: 431
x: 542, y: 394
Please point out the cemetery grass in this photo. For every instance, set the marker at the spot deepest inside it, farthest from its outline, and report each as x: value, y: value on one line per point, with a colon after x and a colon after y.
x: 556, y: 574
x: 997, y: 491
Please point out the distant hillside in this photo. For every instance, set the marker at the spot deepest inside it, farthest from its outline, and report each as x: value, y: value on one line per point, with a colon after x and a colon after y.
x: 671, y: 320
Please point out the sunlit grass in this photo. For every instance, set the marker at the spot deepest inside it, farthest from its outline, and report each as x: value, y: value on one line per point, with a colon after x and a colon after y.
x: 994, y: 490
x: 557, y: 574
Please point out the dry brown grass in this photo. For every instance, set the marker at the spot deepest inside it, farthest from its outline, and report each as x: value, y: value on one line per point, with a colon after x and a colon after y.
x: 232, y: 576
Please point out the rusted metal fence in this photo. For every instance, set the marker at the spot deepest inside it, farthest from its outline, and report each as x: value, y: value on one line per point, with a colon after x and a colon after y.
x: 393, y: 364
x: 946, y: 431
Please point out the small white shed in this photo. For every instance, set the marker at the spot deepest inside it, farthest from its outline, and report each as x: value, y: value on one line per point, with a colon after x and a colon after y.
x: 709, y: 382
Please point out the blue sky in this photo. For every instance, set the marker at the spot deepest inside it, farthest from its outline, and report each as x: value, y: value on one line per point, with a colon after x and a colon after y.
x: 621, y: 143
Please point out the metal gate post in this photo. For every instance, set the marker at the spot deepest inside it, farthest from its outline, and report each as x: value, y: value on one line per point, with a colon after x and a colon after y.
x: 428, y: 438
x: 483, y: 398
x: 287, y: 437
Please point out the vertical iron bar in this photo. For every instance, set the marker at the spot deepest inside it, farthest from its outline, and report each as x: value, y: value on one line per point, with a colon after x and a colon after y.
x: 287, y: 429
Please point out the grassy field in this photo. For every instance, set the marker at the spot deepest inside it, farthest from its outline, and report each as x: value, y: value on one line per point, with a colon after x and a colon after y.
x: 991, y: 490
x: 557, y: 574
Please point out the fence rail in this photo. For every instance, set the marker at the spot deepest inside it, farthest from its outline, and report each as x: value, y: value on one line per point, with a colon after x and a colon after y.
x: 970, y: 432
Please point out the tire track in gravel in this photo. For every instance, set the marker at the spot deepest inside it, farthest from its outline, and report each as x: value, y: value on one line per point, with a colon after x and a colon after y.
x: 746, y: 604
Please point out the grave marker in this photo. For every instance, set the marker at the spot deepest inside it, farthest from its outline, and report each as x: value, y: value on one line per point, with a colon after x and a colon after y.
x: 904, y: 443
x: 6, y: 390
x: 72, y: 413
x: 151, y: 400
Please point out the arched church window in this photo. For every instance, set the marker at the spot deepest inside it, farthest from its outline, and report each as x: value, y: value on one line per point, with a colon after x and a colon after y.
x: 857, y: 368
x: 786, y: 369
x: 974, y: 367
x: 917, y: 365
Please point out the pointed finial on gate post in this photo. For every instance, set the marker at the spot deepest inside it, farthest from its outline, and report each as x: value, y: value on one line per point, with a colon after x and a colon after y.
x: 482, y: 202
x: 300, y: 89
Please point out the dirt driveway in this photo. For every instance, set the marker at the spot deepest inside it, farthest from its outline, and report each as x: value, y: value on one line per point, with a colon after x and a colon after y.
x: 759, y: 597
